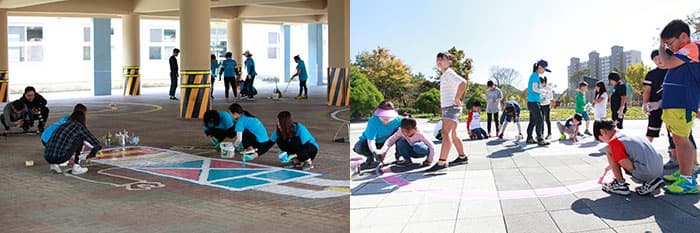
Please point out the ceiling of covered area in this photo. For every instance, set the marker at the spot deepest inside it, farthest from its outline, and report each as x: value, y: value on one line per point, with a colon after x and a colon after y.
x: 262, y: 11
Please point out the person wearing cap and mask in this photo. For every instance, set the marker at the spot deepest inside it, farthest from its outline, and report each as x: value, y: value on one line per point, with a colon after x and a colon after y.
x: 250, y: 78
x: 384, y: 122
x: 534, y: 98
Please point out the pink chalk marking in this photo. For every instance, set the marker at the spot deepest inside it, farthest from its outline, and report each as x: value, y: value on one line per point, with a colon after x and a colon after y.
x: 391, y: 178
x: 607, y: 169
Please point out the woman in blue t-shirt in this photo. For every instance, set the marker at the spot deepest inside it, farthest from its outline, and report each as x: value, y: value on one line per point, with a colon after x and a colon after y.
x: 218, y: 126
x: 294, y: 139
x: 250, y: 132
x: 229, y: 65
x: 46, y: 135
x: 214, y: 66
x: 380, y: 127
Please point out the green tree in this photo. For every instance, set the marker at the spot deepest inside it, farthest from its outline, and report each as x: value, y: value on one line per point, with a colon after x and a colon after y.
x: 429, y: 102
x: 364, y: 96
x: 476, y: 93
x: 635, y: 76
x: 694, y: 21
x: 504, y: 75
x: 387, y: 72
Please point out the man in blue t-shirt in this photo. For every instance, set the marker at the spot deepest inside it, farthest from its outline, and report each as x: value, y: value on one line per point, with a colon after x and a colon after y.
x: 303, y: 76
x: 533, y: 103
x: 230, y: 79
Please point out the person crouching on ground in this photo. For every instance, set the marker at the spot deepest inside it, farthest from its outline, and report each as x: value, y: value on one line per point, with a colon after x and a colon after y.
x: 410, y: 143
x: 570, y: 127
x: 633, y: 154
x: 15, y: 112
x: 380, y: 127
x: 250, y: 132
x: 511, y: 113
x: 36, y: 104
x: 218, y: 126
x: 48, y: 132
x: 296, y: 141
x: 67, y: 141
x: 474, y: 123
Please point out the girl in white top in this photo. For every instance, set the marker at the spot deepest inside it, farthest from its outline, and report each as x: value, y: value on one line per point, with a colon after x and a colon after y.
x: 547, y: 97
x: 600, y: 102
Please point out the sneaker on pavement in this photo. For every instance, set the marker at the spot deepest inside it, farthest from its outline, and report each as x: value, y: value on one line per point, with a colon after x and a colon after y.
x: 307, y: 166
x: 290, y: 166
x: 77, y: 169
x: 549, y: 136
x: 530, y: 141
x: 542, y: 142
x: 437, y: 168
x: 403, y: 162
x: 460, y: 161
x: 617, y: 187
x: 671, y: 164
x: 369, y: 165
x: 55, y: 168
x: 649, y: 187
x: 588, y: 133
x: 682, y: 186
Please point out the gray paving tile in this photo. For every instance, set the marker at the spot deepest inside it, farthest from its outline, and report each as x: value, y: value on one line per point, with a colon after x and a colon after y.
x: 374, y: 188
x: 494, y: 224
x: 521, y: 206
x: 394, y: 214
x: 599, y: 231
x: 579, y: 220
x: 401, y: 198
x: 365, y: 201
x: 561, y: 202
x: 503, y: 163
x: 437, y: 227
x: 379, y: 228
x: 645, y: 227
x: 435, y: 212
x: 531, y: 223
x: 479, y: 208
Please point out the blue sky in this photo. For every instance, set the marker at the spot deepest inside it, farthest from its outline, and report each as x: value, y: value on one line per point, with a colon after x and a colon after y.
x: 509, y: 33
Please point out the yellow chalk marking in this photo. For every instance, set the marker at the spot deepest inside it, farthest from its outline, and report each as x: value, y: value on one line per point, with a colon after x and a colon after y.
x: 339, y: 189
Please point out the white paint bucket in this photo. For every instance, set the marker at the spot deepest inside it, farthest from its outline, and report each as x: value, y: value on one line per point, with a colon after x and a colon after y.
x: 227, y: 150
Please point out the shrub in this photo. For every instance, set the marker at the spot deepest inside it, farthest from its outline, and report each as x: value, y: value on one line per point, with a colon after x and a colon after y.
x: 364, y: 96
x: 429, y: 102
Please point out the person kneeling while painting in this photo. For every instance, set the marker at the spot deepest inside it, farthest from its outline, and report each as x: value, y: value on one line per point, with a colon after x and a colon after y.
x: 218, y: 126
x: 48, y: 132
x: 295, y: 141
x: 68, y: 140
x: 250, y: 133
x: 15, y: 114
x: 384, y: 122
x: 570, y: 127
x: 633, y: 154
x: 410, y: 143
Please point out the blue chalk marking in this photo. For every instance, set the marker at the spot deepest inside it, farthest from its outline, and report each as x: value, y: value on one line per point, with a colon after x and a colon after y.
x: 241, y: 182
x: 282, y: 175
x: 221, y: 174
x: 190, y: 164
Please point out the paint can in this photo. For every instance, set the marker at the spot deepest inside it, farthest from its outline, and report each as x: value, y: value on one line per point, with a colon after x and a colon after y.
x: 227, y: 150
x: 108, y: 142
x: 29, y: 163
x: 134, y: 140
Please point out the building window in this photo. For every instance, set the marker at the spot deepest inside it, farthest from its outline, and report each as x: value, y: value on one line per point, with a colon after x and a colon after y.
x: 154, y: 53
x: 87, y: 46
x: 162, y: 43
x: 25, y: 43
x: 87, y: 53
x: 273, y: 45
x: 218, y: 41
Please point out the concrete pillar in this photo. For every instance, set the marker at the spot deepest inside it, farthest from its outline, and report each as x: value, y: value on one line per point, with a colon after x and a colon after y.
x: 4, y: 63
x: 287, y: 54
x: 234, y: 39
x: 338, y: 52
x: 102, y: 62
x: 131, y: 29
x: 314, y: 64
x: 195, y: 92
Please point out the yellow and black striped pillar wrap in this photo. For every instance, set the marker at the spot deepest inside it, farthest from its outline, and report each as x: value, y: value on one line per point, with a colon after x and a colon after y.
x: 195, y: 91
x: 338, y: 86
x: 132, y: 81
x: 4, y: 86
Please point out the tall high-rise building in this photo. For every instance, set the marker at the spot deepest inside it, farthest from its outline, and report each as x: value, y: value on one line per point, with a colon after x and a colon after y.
x: 617, y: 58
x: 594, y: 64
x: 633, y: 57
x: 605, y: 70
x: 599, y: 67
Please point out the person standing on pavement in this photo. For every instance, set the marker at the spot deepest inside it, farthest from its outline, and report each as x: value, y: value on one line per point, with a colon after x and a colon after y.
x: 303, y: 76
x: 174, y: 73
x: 534, y: 97
x: 452, y: 88
x: 214, y: 67
x: 230, y: 79
x: 250, y: 78
x: 618, y: 100
x: 546, y: 104
x: 494, y: 95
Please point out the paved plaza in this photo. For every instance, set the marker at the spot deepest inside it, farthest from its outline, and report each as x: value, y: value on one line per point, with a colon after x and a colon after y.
x: 185, y: 186
x: 512, y: 187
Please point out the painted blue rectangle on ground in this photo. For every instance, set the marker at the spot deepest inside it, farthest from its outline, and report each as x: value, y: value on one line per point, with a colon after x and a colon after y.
x: 282, y: 175
x: 242, y: 182
x: 221, y: 174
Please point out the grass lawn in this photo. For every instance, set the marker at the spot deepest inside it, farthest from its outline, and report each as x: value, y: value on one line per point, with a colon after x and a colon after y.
x: 556, y: 114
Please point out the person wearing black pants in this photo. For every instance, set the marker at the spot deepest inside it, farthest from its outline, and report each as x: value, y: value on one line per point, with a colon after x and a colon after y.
x: 618, y: 105
x: 493, y: 105
x: 218, y: 126
x: 36, y: 105
x: 303, y: 76
x: 173, y: 73
x: 293, y: 138
x: 67, y: 141
x: 230, y: 80
x: 545, y: 105
x: 534, y: 98
x: 250, y: 68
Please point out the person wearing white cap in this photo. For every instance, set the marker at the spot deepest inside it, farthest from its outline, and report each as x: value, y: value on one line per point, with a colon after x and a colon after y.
x: 380, y: 127
x: 250, y: 78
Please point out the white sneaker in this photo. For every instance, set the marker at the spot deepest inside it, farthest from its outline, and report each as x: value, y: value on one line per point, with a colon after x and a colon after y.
x: 77, y: 169
x: 55, y: 168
